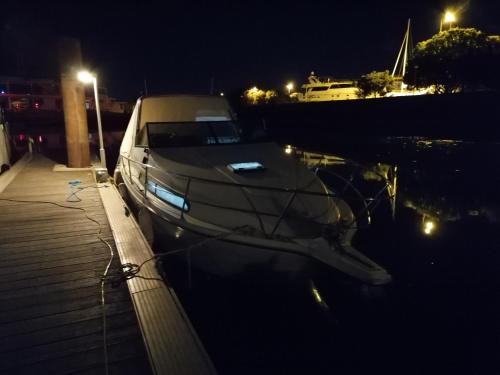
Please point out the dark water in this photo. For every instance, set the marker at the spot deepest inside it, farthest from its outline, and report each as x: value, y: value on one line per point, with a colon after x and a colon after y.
x: 441, y: 313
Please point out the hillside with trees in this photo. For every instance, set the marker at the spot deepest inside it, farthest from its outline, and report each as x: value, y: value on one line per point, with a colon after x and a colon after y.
x: 457, y: 60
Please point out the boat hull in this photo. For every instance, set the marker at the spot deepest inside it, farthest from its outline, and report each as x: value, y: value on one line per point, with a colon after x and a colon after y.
x: 239, y: 252
x: 224, y: 257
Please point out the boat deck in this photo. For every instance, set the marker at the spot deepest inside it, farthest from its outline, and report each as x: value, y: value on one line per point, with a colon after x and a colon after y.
x: 52, y: 260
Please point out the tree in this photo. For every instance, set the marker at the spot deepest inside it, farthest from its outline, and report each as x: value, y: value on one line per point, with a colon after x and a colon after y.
x: 456, y: 60
x: 257, y: 96
x: 270, y: 96
x: 374, y: 83
x: 254, y: 95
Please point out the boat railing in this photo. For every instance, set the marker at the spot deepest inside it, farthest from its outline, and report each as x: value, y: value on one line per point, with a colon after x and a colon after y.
x: 244, y: 188
x: 325, y: 163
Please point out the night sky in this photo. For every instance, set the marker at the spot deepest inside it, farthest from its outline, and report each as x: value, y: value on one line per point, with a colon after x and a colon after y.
x: 177, y: 46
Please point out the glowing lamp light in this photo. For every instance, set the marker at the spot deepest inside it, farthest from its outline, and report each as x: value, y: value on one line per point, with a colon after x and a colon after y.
x: 288, y: 149
x: 316, y: 295
x: 289, y: 87
x: 85, y: 76
x: 221, y: 94
x: 178, y: 232
x: 449, y: 17
x: 429, y: 227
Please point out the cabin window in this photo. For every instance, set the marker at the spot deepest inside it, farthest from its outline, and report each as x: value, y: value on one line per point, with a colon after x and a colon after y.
x: 192, y: 134
x: 322, y: 88
x: 142, y: 137
x: 342, y: 85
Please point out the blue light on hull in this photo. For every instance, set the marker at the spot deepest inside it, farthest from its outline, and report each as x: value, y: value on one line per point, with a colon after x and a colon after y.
x: 167, y: 196
x: 243, y: 167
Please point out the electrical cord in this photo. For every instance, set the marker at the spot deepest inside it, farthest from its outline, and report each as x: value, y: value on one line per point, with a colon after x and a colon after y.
x: 106, y: 270
x: 132, y: 270
x: 77, y: 189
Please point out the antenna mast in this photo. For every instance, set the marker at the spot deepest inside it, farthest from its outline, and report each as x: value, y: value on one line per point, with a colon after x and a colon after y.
x: 404, y: 47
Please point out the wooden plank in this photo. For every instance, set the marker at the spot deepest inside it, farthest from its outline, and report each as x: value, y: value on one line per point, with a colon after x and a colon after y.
x: 48, y: 242
x: 64, y: 332
x: 55, y: 224
x: 56, y: 244
x: 121, y: 351
x: 53, y: 320
x: 54, y: 303
x: 39, y: 278
x: 61, y: 349
x: 50, y: 270
x: 25, y: 292
x: 52, y: 236
x: 173, y: 345
x: 23, y: 257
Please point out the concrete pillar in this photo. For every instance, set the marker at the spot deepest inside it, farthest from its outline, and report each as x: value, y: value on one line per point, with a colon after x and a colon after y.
x: 73, y: 96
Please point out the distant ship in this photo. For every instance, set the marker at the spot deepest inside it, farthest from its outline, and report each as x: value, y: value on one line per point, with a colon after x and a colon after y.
x: 326, y: 89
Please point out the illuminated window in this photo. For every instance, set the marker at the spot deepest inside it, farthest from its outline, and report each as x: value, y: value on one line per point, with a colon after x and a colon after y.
x: 249, y: 166
x: 167, y: 196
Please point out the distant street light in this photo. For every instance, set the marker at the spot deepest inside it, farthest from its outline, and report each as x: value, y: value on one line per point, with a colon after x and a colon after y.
x: 289, y: 86
x: 253, y: 93
x: 87, y: 77
x: 449, y: 17
x: 429, y: 226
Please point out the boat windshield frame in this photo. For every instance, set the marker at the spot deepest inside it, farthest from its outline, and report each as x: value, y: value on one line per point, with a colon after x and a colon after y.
x: 193, y: 133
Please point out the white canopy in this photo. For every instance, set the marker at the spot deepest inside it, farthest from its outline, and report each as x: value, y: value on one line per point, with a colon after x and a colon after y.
x: 183, y: 108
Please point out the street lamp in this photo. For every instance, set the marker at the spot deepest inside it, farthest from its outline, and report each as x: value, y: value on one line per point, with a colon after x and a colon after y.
x: 429, y: 225
x: 253, y: 93
x: 449, y: 17
x: 289, y: 86
x: 87, y: 77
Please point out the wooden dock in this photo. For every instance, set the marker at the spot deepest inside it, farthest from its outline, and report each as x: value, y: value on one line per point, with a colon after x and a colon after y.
x: 52, y: 259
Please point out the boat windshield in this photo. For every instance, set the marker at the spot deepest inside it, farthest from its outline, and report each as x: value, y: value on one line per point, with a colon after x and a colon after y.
x: 186, y: 134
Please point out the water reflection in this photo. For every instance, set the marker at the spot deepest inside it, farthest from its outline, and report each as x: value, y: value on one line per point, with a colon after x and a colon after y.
x: 440, y: 313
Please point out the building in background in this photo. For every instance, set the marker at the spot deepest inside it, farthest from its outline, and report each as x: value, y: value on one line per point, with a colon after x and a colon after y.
x: 32, y: 94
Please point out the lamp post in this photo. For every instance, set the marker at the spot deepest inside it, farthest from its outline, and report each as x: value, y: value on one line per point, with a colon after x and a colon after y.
x: 289, y: 87
x: 448, y: 17
x: 87, y: 77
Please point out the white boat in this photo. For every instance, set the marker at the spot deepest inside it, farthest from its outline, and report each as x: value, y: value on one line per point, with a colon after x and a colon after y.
x: 398, y: 72
x: 184, y: 164
x: 326, y: 89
